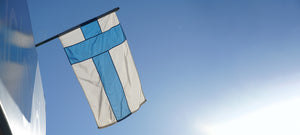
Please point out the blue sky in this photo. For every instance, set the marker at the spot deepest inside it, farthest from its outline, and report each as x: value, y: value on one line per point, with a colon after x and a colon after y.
x: 205, y: 66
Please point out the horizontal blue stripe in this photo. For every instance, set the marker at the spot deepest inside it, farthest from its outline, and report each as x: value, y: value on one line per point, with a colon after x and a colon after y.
x: 112, y: 85
x: 95, y: 45
x: 91, y: 29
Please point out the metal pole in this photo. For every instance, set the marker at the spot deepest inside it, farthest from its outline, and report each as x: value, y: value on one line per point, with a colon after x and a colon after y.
x: 75, y: 27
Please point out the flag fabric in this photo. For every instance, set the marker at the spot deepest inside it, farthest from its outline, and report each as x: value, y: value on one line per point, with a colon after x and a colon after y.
x: 103, y: 64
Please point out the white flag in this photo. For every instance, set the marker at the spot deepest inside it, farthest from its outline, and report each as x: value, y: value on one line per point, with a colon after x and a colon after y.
x: 101, y: 59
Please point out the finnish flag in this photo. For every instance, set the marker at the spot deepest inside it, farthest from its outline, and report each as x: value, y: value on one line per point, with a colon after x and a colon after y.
x: 103, y: 64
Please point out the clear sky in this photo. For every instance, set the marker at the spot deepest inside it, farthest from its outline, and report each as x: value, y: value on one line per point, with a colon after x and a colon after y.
x: 207, y: 67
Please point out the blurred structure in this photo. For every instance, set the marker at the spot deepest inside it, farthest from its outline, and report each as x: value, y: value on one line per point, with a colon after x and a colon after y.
x: 22, y: 104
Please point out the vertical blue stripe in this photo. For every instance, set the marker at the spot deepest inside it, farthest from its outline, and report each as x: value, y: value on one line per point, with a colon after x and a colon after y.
x: 91, y: 29
x: 95, y: 45
x: 112, y: 85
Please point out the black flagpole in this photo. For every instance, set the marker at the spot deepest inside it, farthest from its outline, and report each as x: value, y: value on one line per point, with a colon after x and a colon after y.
x: 75, y: 27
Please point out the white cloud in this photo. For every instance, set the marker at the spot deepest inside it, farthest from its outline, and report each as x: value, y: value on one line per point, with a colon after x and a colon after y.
x: 21, y: 39
x: 281, y: 118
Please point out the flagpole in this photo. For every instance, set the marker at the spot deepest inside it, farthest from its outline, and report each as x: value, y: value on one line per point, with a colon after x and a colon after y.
x: 77, y: 26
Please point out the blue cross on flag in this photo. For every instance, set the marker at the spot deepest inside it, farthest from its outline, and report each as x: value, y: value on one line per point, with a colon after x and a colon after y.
x: 103, y: 64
